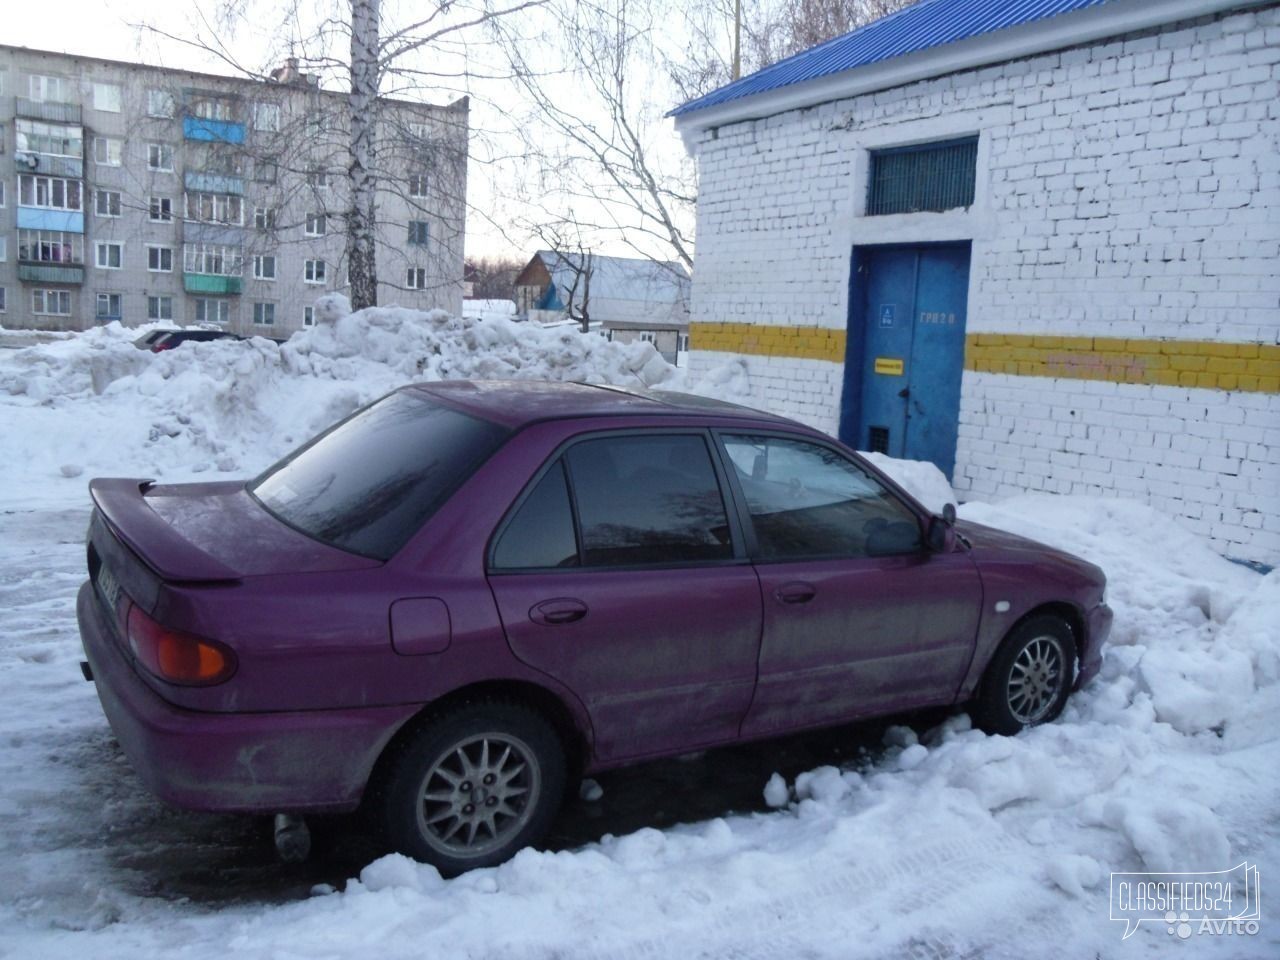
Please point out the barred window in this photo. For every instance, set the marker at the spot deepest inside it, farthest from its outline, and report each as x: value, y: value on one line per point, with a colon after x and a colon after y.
x: 930, y: 176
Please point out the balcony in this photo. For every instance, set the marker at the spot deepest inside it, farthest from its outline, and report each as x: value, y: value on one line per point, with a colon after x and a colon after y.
x: 212, y: 131
x: 42, y: 218
x: 27, y: 162
x: 228, y: 234
x: 51, y: 272
x: 211, y: 283
x: 197, y: 182
x: 41, y: 110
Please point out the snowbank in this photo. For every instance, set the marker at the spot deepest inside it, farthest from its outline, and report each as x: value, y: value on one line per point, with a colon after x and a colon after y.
x: 950, y: 843
x: 95, y: 404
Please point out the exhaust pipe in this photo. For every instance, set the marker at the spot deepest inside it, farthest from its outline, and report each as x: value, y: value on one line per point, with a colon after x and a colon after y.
x: 293, y: 838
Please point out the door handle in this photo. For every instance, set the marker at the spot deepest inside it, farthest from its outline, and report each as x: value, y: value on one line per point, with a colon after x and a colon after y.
x: 797, y: 591
x: 557, y: 611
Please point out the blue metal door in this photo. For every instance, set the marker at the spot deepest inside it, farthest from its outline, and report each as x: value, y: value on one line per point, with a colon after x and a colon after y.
x: 906, y: 351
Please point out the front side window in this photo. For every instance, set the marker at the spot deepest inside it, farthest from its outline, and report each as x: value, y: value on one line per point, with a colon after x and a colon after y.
x: 266, y: 116
x: 315, y: 225
x: 50, y: 246
x: 418, y: 232
x: 264, y: 267
x: 55, y: 193
x: 56, y: 139
x: 264, y: 314
x: 42, y: 88
x: 160, y: 259
x: 107, y: 203
x: 417, y: 278
x: 313, y: 271
x: 648, y: 499
x: 807, y: 500
x: 160, y: 209
x: 369, y: 484
x: 51, y: 302
x: 210, y: 310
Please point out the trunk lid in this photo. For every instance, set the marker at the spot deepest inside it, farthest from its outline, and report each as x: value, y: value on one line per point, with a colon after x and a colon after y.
x: 205, y: 532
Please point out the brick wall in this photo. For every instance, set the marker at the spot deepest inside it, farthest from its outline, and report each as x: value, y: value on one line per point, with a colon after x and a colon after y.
x: 1127, y: 190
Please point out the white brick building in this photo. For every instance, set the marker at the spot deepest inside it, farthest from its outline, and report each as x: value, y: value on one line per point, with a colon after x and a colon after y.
x: 1089, y: 299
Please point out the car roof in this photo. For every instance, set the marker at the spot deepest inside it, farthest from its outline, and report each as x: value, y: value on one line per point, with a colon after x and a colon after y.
x: 516, y: 403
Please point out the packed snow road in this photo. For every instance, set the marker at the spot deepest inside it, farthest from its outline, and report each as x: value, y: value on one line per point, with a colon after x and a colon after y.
x: 922, y: 840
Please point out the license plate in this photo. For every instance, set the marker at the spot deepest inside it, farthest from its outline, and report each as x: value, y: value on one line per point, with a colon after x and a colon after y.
x: 108, y: 588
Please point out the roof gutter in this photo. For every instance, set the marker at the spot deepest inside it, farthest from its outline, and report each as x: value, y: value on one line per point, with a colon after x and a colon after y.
x: 999, y: 46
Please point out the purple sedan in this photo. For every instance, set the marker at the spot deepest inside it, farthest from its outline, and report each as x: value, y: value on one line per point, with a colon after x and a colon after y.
x: 466, y: 594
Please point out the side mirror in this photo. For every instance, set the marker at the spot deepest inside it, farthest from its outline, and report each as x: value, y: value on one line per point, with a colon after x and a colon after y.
x: 941, y: 536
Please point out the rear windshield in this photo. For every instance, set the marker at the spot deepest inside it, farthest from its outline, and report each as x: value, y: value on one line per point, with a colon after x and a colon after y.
x: 371, y: 482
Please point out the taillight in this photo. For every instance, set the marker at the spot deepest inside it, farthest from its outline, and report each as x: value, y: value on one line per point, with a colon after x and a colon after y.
x: 176, y: 656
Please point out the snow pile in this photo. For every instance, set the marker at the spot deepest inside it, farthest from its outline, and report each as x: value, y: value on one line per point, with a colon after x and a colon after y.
x: 949, y: 843
x: 94, y: 403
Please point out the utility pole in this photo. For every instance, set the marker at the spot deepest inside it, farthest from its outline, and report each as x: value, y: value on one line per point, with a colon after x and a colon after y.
x: 737, y: 39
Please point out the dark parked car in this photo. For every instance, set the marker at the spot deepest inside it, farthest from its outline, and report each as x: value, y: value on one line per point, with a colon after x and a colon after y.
x: 467, y: 594
x: 158, y: 341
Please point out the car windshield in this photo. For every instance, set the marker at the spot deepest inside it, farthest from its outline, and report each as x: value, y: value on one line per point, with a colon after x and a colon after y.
x: 368, y: 484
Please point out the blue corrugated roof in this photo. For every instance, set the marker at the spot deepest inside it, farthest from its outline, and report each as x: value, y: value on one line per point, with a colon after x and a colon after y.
x: 929, y: 23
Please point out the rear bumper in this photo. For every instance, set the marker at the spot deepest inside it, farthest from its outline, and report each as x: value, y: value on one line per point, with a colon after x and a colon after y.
x: 1097, y: 629
x: 312, y: 761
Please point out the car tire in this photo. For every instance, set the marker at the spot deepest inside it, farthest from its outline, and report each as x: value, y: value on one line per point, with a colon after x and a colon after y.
x: 473, y: 785
x: 1029, y: 679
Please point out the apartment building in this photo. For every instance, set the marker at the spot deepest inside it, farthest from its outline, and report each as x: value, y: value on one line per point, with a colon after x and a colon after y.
x: 138, y: 193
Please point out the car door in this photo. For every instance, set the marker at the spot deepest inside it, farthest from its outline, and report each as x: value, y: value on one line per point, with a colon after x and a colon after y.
x: 859, y: 617
x: 621, y: 573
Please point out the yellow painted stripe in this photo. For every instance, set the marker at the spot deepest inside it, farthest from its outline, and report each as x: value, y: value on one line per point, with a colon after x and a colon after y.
x: 1214, y: 365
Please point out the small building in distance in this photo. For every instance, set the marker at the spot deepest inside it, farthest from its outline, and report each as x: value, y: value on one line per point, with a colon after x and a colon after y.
x: 626, y: 298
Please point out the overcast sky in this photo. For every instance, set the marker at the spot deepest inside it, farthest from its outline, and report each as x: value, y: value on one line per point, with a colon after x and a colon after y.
x: 110, y: 29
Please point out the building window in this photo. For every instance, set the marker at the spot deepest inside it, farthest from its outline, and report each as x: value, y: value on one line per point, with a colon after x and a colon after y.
x: 212, y: 108
x: 160, y: 157
x: 44, y: 88
x: 420, y: 132
x: 418, y: 232
x: 54, y: 193
x: 418, y: 185
x: 54, y: 303
x: 108, y: 151
x: 930, y: 176
x: 308, y: 314
x: 318, y: 178
x: 106, y: 203
x: 55, y: 139
x: 50, y: 246
x: 109, y: 307
x: 264, y: 218
x: 266, y: 116
x: 316, y: 225
x: 313, y: 271
x: 160, y: 209
x: 3, y: 300
x: 160, y: 103
x: 217, y: 259
x: 160, y: 259
x: 265, y: 170
x: 1, y: 181
x: 417, y: 278
x: 682, y: 344
x: 264, y: 314
x: 107, y: 97
x: 264, y: 267
x: 213, y: 208
x: 159, y: 308
x: 110, y: 256
x: 4, y: 249
x: 209, y: 310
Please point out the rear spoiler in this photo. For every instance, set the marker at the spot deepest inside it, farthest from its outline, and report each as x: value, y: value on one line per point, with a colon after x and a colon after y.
x: 169, y: 554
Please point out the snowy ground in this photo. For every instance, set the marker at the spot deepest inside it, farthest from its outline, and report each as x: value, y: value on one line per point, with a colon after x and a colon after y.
x: 941, y: 843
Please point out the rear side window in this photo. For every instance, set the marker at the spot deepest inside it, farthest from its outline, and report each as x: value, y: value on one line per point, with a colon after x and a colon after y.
x: 370, y: 483
x: 648, y: 499
x: 540, y: 534
x: 806, y: 500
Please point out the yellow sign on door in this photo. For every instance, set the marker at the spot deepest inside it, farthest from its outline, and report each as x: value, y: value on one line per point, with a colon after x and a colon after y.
x: 889, y: 365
